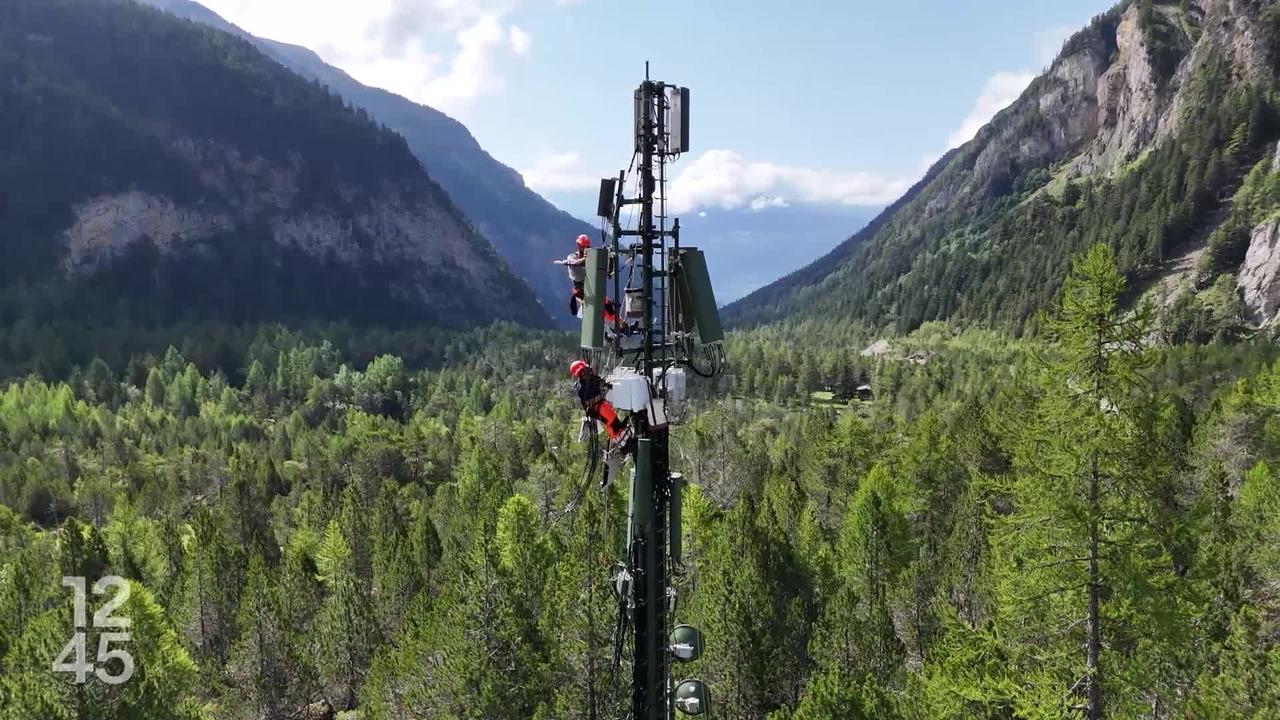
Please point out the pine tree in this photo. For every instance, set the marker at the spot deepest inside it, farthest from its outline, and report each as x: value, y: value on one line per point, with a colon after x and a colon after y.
x: 256, y: 383
x: 751, y: 663
x: 208, y: 589
x: 397, y: 577
x: 84, y: 551
x: 101, y: 383
x: 480, y: 654
x: 248, y: 498
x: 829, y: 694
x: 579, y: 613
x: 259, y: 659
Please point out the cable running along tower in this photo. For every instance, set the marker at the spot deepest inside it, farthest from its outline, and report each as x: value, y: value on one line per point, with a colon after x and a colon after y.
x: 663, y: 327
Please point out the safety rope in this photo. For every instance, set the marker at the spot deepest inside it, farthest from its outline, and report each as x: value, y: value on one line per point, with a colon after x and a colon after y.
x: 589, y: 570
x: 593, y: 462
x: 619, y: 644
x: 592, y: 565
x: 619, y: 627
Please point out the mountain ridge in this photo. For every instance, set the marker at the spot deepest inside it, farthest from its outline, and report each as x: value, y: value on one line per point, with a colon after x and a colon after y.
x: 175, y: 167
x: 527, y: 230
x: 1142, y: 127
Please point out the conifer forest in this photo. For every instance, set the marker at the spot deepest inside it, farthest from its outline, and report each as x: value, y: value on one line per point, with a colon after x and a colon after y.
x: 406, y: 543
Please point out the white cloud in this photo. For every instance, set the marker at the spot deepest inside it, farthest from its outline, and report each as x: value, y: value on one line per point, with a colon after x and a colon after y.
x: 472, y: 72
x: 724, y: 179
x: 1002, y: 89
x: 997, y: 94
x: 520, y: 41
x: 559, y: 173
x: 444, y: 53
x: 764, y: 203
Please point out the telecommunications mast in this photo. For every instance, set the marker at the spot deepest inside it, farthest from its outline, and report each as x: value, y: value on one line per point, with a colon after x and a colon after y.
x: 666, y: 326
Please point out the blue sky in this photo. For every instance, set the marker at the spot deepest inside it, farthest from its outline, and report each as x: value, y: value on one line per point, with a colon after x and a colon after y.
x: 809, y: 101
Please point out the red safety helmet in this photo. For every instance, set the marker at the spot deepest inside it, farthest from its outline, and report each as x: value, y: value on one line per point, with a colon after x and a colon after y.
x: 577, y: 367
x: 584, y: 241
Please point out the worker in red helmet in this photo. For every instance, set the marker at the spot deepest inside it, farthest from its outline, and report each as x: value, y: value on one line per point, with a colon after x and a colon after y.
x: 576, y: 263
x: 590, y: 389
x: 611, y: 319
x: 614, y: 325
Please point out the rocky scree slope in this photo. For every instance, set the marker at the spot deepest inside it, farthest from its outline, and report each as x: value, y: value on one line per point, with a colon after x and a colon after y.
x: 156, y: 161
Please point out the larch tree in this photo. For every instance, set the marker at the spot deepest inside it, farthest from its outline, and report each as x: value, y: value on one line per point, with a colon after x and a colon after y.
x: 855, y: 639
x: 1087, y: 591
x: 345, y: 624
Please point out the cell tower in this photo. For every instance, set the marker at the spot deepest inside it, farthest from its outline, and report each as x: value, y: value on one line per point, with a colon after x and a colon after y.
x: 664, y: 325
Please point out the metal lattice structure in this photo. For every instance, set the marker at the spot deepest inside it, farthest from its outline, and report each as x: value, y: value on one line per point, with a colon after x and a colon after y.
x: 664, y: 322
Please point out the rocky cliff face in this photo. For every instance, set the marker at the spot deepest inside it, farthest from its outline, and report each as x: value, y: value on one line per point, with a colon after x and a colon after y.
x: 389, y: 231
x: 1099, y: 106
x: 1129, y: 101
x: 382, y: 223
x: 107, y: 225
x: 1259, y: 279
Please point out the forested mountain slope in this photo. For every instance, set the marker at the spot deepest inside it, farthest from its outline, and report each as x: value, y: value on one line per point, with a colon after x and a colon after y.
x: 524, y: 228
x: 1154, y: 131
x: 161, y: 171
